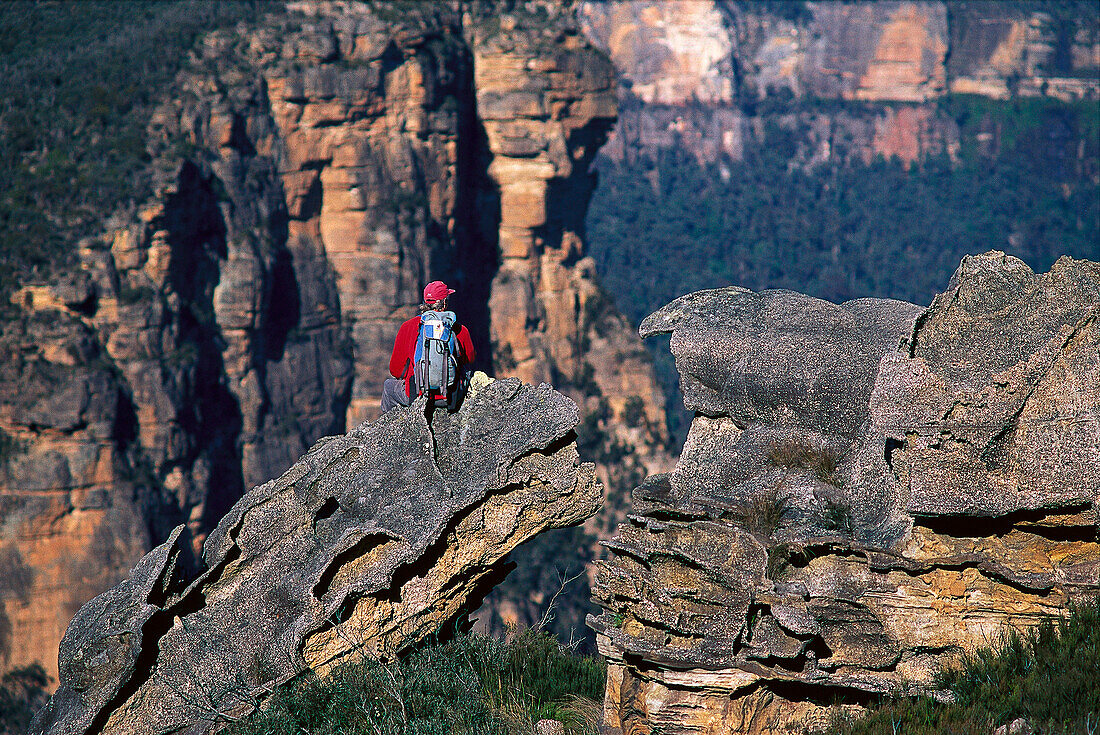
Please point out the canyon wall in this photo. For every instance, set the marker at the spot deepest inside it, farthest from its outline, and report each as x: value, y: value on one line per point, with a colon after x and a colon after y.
x: 313, y: 174
x: 867, y: 491
x: 854, y: 79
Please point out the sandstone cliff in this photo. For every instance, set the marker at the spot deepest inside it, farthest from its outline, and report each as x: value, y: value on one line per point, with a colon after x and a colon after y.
x: 706, y: 75
x: 369, y: 543
x: 314, y: 173
x: 867, y: 490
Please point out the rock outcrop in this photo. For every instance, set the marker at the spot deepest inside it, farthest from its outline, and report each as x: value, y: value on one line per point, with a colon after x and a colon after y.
x: 369, y: 543
x: 867, y: 490
x: 312, y: 174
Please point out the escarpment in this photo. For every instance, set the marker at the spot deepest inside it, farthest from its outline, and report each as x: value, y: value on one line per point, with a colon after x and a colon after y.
x: 867, y: 490
x: 313, y: 173
x: 368, y: 544
x: 710, y: 76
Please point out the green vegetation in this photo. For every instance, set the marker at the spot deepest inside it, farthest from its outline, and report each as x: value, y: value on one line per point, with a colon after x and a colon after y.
x: 836, y: 515
x: 634, y: 411
x: 473, y: 685
x: 22, y: 693
x: 549, y: 586
x: 1026, y: 181
x: 80, y: 83
x: 1047, y: 676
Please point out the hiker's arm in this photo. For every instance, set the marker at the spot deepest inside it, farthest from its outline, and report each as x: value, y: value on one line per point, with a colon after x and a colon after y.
x: 469, y: 354
x: 403, y: 347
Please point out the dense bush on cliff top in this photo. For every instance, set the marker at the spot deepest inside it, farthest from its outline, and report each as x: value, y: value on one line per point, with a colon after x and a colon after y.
x: 479, y: 685
x: 80, y: 82
x: 473, y: 685
x: 1049, y: 676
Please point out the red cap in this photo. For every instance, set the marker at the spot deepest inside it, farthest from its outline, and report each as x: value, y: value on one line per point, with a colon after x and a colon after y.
x: 436, y: 291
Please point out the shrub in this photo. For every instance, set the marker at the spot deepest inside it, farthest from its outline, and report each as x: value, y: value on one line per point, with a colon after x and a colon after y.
x: 1046, y: 675
x: 473, y: 684
x: 836, y: 515
x: 22, y: 693
x: 634, y: 411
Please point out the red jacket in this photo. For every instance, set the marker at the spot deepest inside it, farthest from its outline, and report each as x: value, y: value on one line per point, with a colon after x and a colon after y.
x: 404, y: 350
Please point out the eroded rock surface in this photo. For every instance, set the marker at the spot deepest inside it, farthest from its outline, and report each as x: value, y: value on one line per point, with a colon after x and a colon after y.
x: 369, y: 543
x: 868, y: 490
x: 312, y: 173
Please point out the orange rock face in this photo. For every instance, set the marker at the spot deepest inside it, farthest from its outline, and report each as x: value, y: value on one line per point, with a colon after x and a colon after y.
x: 676, y: 50
x: 550, y: 320
x: 895, y: 54
x: 341, y: 160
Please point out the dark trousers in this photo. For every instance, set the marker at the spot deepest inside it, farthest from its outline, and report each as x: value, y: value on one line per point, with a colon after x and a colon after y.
x: 393, y: 394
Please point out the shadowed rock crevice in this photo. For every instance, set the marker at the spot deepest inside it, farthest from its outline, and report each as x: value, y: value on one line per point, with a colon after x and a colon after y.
x: 360, y: 548
x: 1065, y: 523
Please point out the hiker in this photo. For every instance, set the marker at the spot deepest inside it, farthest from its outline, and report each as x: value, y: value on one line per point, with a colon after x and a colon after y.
x: 422, y: 344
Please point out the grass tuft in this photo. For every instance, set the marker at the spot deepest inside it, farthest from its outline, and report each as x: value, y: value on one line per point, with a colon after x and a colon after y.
x: 473, y: 685
x: 762, y: 513
x: 803, y: 454
x: 23, y: 691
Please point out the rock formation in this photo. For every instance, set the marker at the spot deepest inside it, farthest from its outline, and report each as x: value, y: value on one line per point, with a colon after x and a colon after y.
x: 704, y: 75
x: 546, y: 99
x: 313, y: 173
x: 866, y: 491
x: 369, y: 543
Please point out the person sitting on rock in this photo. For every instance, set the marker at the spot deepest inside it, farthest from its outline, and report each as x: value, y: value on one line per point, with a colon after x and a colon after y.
x: 409, y: 363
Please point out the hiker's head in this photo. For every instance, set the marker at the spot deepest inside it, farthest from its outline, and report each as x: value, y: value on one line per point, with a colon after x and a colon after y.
x: 435, y: 295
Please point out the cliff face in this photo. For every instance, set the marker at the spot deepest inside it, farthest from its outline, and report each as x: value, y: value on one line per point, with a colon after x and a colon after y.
x: 899, y: 57
x: 314, y: 174
x: 848, y: 515
x: 546, y: 101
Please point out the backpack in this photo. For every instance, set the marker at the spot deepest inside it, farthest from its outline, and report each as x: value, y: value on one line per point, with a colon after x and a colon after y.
x: 435, y: 361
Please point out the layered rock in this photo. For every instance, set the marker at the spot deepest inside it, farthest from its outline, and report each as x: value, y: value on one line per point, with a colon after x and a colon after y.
x: 369, y: 543
x: 547, y: 101
x: 867, y: 491
x: 1008, y: 50
x: 756, y: 62
x: 312, y: 174
x: 76, y: 523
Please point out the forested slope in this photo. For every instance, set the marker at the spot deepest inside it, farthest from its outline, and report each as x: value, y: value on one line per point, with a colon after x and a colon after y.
x: 80, y: 85
x: 1024, y: 180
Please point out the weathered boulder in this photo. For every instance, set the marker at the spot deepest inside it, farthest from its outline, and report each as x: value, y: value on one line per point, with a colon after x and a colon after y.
x: 779, y: 357
x: 369, y: 543
x: 811, y: 549
x: 993, y: 409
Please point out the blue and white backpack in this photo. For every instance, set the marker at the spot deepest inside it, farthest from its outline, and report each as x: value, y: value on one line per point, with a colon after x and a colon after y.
x: 435, y: 362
